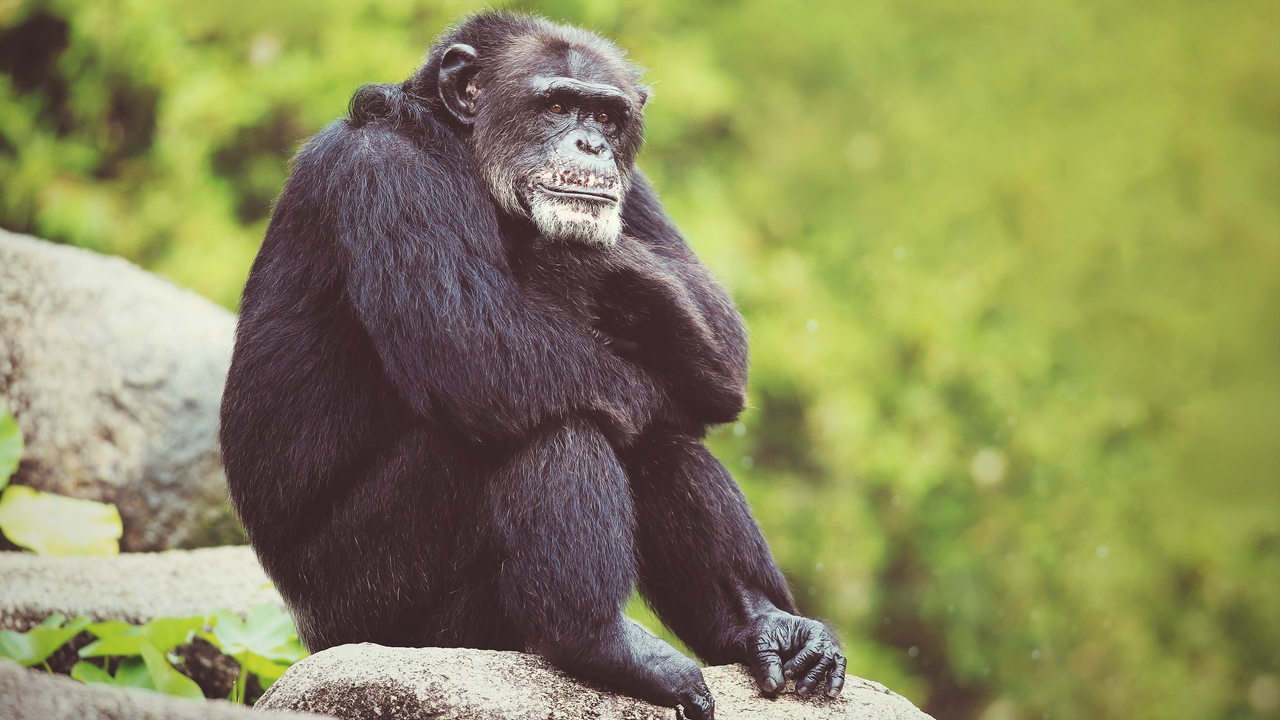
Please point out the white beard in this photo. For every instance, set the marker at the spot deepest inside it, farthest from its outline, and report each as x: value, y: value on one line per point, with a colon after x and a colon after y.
x: 585, y: 221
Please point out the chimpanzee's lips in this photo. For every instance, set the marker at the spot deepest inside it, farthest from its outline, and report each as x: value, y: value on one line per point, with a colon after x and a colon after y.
x: 578, y: 192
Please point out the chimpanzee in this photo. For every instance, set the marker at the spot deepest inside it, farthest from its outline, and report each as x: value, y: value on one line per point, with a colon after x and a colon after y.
x: 474, y: 366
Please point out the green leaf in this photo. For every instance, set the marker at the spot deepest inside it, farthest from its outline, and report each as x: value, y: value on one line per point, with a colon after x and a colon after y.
x: 20, y: 648
x: 133, y: 672
x: 268, y: 671
x: 55, y: 525
x: 37, y: 644
x: 127, y: 645
x: 265, y: 643
x: 168, y: 680
x: 55, y: 620
x: 10, y: 445
x: 87, y: 672
x: 110, y: 628
x: 267, y: 632
x: 163, y: 633
x: 167, y: 633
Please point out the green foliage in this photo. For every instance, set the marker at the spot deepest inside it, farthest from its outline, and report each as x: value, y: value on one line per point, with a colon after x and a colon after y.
x: 1011, y: 272
x: 10, y: 445
x: 90, y: 674
x: 56, y: 525
x: 140, y: 656
x: 265, y: 643
x: 46, y: 523
x: 35, y: 646
x: 118, y: 638
x: 167, y: 680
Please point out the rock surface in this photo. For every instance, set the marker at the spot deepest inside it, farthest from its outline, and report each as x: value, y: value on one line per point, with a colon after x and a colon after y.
x: 115, y: 376
x: 135, y: 587
x: 37, y: 695
x: 355, y: 682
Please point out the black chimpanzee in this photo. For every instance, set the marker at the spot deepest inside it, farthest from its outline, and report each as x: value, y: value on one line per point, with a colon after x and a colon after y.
x: 474, y: 366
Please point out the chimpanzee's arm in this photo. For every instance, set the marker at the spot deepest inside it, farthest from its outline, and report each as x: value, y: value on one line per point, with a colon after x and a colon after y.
x: 683, y: 321
x: 706, y: 569
x: 416, y: 237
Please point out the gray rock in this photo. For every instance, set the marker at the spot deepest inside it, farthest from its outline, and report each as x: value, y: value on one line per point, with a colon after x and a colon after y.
x: 135, y: 587
x: 115, y: 376
x: 356, y: 682
x: 37, y: 695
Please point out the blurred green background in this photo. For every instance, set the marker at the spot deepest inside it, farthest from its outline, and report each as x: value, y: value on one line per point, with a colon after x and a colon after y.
x: 1011, y: 269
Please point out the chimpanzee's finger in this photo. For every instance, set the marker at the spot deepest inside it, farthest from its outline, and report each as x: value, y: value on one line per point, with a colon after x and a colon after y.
x: 767, y: 668
x: 697, y: 704
x: 835, y: 681
x: 811, y: 679
x: 808, y: 656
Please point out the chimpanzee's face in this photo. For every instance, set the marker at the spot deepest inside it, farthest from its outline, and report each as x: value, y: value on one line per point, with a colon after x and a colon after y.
x: 574, y: 190
x: 555, y: 130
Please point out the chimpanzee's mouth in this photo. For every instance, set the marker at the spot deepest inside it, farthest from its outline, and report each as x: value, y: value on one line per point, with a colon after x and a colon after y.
x: 578, y: 192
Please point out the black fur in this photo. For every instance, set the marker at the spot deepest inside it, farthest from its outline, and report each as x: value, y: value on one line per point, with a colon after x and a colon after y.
x: 442, y: 428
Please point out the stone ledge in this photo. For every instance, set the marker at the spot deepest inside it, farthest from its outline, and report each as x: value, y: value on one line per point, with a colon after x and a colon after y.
x: 37, y: 695
x: 134, y: 587
x: 367, y: 682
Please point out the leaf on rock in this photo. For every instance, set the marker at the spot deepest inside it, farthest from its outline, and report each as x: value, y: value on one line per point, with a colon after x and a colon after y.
x: 55, y: 525
x: 10, y: 445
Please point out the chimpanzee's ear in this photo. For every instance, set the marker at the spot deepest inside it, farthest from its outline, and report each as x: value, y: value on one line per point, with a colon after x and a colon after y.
x: 457, y: 70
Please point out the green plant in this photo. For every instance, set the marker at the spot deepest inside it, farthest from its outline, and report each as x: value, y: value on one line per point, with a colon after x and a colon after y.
x: 10, y: 445
x: 47, y: 523
x: 264, y: 644
x: 143, y: 653
x: 34, y: 646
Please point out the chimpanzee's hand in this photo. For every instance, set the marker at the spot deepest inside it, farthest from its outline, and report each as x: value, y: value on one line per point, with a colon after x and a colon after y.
x: 638, y: 663
x: 671, y: 678
x: 693, y: 697
x: 789, y: 647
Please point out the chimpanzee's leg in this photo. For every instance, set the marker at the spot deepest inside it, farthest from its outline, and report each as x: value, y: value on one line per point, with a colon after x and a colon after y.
x: 562, y: 511
x: 706, y: 570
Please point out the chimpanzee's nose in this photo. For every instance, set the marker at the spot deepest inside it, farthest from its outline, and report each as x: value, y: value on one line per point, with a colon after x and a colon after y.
x: 592, y: 143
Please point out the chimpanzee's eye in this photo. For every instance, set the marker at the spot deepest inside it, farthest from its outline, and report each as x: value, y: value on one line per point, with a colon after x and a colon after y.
x: 556, y: 108
x: 603, y: 118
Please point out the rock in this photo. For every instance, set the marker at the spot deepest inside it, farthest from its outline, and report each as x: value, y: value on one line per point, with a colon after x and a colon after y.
x: 37, y: 695
x: 115, y: 377
x: 134, y: 587
x: 366, y: 681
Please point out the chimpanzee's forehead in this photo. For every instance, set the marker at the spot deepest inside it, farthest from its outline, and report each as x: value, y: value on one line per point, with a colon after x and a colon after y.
x: 591, y: 67
x: 590, y: 63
